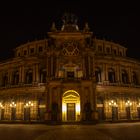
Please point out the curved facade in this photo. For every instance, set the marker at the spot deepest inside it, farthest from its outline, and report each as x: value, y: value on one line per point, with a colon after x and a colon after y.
x: 70, y: 76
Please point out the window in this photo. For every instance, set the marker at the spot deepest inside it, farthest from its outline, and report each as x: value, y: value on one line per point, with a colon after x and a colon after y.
x: 99, y: 48
x: 25, y: 52
x: 29, y: 77
x: 111, y: 76
x: 120, y: 53
x: 124, y: 77
x: 18, y: 54
x: 108, y: 50
x: 98, y: 75
x: 70, y: 74
x: 134, y: 78
x: 32, y: 50
x: 115, y: 52
x: 43, y: 76
x: 40, y: 49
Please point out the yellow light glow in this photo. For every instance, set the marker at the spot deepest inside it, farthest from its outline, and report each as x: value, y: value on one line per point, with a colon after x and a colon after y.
x: 71, y: 96
x: 77, y: 108
x: 64, y: 108
x: 115, y: 103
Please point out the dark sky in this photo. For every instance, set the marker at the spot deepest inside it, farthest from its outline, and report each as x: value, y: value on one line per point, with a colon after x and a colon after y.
x: 25, y: 21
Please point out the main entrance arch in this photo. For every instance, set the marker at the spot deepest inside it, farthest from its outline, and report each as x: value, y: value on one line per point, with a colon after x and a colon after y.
x: 71, y: 106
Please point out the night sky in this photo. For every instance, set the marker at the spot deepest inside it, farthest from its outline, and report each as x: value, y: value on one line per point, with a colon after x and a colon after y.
x: 26, y: 21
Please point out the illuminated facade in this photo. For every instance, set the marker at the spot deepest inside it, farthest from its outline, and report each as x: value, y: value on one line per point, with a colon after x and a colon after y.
x: 70, y: 76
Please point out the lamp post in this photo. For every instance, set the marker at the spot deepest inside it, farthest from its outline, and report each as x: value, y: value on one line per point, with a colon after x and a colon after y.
x: 1, y: 109
x: 13, y: 110
x: 114, y: 106
x: 28, y: 105
x: 128, y: 105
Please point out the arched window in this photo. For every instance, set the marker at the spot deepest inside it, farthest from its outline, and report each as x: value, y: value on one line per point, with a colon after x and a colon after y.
x: 108, y: 50
x: 43, y: 76
x: 134, y: 78
x: 111, y: 75
x: 15, y: 78
x: 29, y: 76
x: 98, y: 74
x: 124, y: 77
x: 5, y: 79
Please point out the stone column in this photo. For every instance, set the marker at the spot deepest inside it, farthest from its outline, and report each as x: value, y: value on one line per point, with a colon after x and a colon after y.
x: 51, y: 66
x: 34, y: 73
x: 94, y: 102
x: 118, y: 73
x: 23, y: 74
x: 81, y: 103
x: 37, y: 73
x: 84, y: 71
x: 9, y: 77
x: 48, y: 105
x: 20, y: 74
x: 48, y: 66
x: 1, y: 79
x: 60, y: 92
x: 130, y: 75
x: 106, y: 72
x: 89, y: 68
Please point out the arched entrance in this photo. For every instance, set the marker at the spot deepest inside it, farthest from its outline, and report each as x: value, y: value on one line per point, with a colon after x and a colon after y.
x: 71, y: 106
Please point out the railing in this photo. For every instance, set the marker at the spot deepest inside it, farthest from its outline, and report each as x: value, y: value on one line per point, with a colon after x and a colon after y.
x: 75, y: 80
x: 23, y: 85
x: 119, y: 84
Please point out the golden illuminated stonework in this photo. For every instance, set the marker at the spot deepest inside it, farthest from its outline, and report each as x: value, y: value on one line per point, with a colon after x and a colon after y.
x: 71, y: 76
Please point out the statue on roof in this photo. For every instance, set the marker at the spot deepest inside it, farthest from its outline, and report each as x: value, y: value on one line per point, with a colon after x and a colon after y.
x: 69, y: 18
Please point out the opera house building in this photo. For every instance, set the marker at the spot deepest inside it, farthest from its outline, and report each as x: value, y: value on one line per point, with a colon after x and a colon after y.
x: 70, y: 76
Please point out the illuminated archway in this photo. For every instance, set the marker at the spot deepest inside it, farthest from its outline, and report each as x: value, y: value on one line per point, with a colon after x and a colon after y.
x: 71, y: 106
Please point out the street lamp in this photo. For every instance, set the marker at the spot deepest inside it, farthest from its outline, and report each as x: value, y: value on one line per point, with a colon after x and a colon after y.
x: 128, y: 104
x: 13, y: 111
x: 114, y: 105
x: 13, y: 104
x: 1, y: 105
x: 27, y: 106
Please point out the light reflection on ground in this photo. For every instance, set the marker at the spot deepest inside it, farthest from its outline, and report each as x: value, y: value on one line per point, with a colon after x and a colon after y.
x: 118, y: 131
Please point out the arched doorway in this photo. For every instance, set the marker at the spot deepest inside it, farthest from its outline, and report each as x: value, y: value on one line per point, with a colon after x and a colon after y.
x: 71, y: 106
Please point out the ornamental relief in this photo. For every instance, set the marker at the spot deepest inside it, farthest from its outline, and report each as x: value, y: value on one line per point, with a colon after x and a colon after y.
x: 70, y: 48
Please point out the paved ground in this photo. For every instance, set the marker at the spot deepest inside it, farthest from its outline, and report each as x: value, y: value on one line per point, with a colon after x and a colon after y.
x: 118, y: 131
